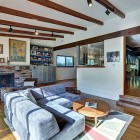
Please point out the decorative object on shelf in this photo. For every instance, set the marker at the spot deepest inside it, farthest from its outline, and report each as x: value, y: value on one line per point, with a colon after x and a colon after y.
x: 1, y: 48
x: 113, y: 56
x: 17, y: 50
x: 41, y: 55
x: 2, y: 60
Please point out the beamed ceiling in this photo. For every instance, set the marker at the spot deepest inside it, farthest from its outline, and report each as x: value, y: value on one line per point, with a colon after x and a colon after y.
x: 55, y: 18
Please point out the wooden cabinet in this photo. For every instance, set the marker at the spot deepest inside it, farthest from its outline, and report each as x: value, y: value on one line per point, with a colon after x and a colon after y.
x: 40, y: 55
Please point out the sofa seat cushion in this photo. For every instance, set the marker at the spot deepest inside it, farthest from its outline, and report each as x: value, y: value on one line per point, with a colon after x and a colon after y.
x: 70, y: 96
x: 40, y: 123
x: 55, y: 89
x: 44, y: 101
x: 37, y: 93
x: 64, y: 102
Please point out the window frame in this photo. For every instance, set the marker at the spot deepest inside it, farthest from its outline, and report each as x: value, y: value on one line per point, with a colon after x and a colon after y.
x: 65, y: 61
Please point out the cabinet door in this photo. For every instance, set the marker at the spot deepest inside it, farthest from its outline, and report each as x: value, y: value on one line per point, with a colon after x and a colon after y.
x: 45, y: 74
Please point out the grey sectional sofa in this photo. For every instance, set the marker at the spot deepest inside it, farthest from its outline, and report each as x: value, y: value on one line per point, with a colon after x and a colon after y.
x: 43, y: 121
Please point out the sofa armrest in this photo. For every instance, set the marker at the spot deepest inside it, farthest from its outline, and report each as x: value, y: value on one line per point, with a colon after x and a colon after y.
x: 75, y: 122
x: 72, y: 89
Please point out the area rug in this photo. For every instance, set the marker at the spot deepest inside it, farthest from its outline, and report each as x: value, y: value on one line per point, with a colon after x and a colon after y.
x: 111, y: 127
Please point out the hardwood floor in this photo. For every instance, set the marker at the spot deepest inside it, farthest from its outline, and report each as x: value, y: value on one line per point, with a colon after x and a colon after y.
x: 133, y: 86
x: 132, y: 133
x: 5, y: 133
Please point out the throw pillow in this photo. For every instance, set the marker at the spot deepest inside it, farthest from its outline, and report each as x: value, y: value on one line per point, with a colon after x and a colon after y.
x: 29, y: 83
x: 27, y: 94
x: 46, y: 93
x: 3, y: 91
x: 37, y: 93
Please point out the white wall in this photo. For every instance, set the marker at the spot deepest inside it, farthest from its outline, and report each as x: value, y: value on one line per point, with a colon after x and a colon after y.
x: 46, y: 43
x: 104, y: 82
x: 5, y: 42
x: 131, y: 20
x: 66, y: 72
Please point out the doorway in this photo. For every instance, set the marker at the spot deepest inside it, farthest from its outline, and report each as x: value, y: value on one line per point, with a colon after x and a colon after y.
x: 132, y: 72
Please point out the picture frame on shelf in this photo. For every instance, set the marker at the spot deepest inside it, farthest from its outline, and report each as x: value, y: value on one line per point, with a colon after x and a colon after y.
x: 33, y: 52
x: 38, y: 53
x: 2, y: 60
x: 1, y: 48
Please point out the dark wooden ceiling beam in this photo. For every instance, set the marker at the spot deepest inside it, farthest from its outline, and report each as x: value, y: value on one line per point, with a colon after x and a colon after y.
x: 111, y: 7
x: 66, y: 10
x: 38, y: 18
x: 30, y: 33
x: 126, y: 32
x: 28, y: 26
x: 26, y: 36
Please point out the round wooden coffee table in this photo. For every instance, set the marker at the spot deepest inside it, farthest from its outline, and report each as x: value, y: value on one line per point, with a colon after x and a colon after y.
x: 102, y: 109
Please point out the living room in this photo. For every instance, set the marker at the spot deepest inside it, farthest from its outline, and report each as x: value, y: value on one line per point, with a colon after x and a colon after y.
x: 78, y: 48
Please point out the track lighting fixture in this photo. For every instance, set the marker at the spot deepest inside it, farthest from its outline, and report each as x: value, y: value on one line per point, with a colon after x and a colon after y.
x: 10, y: 29
x: 36, y: 33
x: 89, y: 3
x: 107, y: 12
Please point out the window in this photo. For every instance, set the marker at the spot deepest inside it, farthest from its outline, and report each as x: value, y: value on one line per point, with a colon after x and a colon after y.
x: 64, y: 61
x: 92, y: 54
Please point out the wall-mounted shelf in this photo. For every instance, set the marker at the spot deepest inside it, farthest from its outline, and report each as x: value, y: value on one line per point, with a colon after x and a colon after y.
x: 41, y: 55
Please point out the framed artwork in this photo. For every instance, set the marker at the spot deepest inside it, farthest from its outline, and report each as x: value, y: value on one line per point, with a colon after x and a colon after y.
x: 17, y: 50
x: 2, y: 60
x: 113, y: 56
x: 1, y: 48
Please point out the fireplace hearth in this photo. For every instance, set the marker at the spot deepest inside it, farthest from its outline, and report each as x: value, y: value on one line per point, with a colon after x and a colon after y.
x: 7, y: 80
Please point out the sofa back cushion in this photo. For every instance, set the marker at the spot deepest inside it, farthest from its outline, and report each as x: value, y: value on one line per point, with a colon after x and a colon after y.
x: 55, y: 89
x: 40, y: 123
x: 37, y: 93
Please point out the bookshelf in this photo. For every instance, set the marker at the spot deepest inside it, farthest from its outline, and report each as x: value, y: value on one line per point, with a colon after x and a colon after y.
x: 41, y: 55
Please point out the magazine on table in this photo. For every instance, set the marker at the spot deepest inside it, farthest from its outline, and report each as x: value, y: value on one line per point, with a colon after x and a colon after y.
x: 91, y: 104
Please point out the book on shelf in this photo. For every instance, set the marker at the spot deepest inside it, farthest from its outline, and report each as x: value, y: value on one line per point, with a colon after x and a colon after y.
x: 91, y: 104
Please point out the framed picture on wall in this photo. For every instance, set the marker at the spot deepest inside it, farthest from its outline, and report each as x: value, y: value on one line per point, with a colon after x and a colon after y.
x: 2, y: 60
x: 17, y: 50
x: 1, y: 48
x: 113, y: 56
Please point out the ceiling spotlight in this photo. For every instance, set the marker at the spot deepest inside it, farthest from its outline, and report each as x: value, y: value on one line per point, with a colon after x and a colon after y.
x: 36, y: 33
x: 107, y: 12
x: 10, y: 29
x: 89, y: 3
